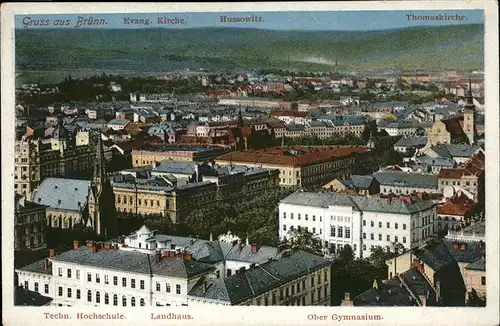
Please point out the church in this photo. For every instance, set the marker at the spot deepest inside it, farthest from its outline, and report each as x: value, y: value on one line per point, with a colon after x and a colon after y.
x: 456, y: 130
x: 101, y: 199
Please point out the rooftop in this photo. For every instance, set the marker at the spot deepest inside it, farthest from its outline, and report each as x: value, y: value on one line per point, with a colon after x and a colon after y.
x: 63, y: 194
x: 406, y: 179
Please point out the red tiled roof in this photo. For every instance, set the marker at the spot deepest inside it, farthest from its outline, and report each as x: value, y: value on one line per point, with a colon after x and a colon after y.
x: 278, y: 156
x: 454, y: 125
x: 451, y: 173
x: 450, y: 208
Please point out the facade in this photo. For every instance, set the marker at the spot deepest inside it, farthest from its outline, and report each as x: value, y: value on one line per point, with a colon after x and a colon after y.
x: 29, y: 224
x: 149, y: 269
x: 405, y: 183
x: 305, y: 167
x: 33, y: 162
x: 150, y: 154
x: 364, y: 185
x: 360, y: 222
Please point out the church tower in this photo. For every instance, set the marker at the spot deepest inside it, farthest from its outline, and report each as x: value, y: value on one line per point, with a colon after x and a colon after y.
x: 469, y: 124
x: 102, y: 211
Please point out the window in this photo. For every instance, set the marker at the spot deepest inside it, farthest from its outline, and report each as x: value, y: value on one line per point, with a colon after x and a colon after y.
x: 314, y: 218
x: 97, y: 278
x: 372, y: 224
x: 332, y: 230
x: 404, y: 226
x: 291, y: 216
x: 396, y: 226
x: 143, y: 303
x: 59, y: 271
x: 371, y: 236
x: 347, y: 232
x: 178, y: 288
x: 77, y: 274
x: 284, y: 227
x: 298, y: 216
x: 483, y: 280
x: 46, y: 288
x: 364, y: 222
x: 124, y: 301
x: 132, y: 283
x: 404, y: 239
x: 158, y: 286
x: 364, y: 235
x: 115, y: 280
x: 167, y: 287
x: 106, y: 279
x: 69, y: 272
x: 132, y: 302
x: 106, y: 298
x: 379, y: 237
x: 388, y: 225
x: 388, y: 238
x: 364, y: 247
x: 340, y: 232
x: 306, y: 217
x: 69, y: 292
x: 124, y: 282
x: 89, y: 296
x: 314, y: 230
x: 395, y: 238
x: 36, y: 286
x: 59, y: 289
x: 89, y: 277
x: 98, y: 297
x: 312, y: 296
x: 379, y: 224
x: 312, y: 280
x: 354, y: 246
x: 142, y: 284
x: 284, y: 214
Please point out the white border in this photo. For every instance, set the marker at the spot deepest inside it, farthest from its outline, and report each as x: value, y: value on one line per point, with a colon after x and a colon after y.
x: 259, y: 315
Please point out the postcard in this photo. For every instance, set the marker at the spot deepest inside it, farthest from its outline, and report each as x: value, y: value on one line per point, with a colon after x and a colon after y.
x: 311, y: 163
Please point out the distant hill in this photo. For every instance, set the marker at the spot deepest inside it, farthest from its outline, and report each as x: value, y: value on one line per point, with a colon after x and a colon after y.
x: 160, y: 50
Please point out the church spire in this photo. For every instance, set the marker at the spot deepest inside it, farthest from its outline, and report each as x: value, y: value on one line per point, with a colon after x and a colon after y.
x: 470, y: 102
x: 99, y: 163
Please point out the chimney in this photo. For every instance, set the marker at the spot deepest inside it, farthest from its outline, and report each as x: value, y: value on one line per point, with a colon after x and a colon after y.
x: 158, y: 256
x: 456, y: 245
x: 76, y: 244
x: 188, y: 257
x: 463, y: 246
x: 247, y: 241
x: 191, y: 241
x: 52, y: 252
x: 255, y: 248
x: 205, y: 287
x: 438, y: 290
x: 106, y: 245
x: 211, y: 237
x: 90, y: 244
x: 96, y: 247
x: 46, y: 264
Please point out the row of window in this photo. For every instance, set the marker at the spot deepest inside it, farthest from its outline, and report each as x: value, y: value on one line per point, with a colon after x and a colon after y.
x: 98, y: 297
x: 313, y: 230
x: 139, y: 201
x: 306, y: 217
x: 167, y: 288
x: 388, y: 224
x: 380, y: 236
x: 36, y: 287
x: 340, y: 232
x: 97, y: 278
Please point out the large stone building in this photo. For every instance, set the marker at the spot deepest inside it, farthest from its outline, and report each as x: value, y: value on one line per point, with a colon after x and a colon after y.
x: 29, y: 224
x: 461, y: 129
x: 149, y: 269
x: 149, y: 154
x: 175, y: 188
x: 35, y: 160
x: 305, y: 167
x: 361, y: 222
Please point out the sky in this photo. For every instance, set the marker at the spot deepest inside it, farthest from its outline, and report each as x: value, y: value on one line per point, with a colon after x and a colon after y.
x: 330, y: 20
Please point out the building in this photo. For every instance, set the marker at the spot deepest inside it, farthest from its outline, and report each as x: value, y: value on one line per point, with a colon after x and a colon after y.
x: 118, y: 124
x: 461, y: 129
x: 34, y: 161
x: 66, y: 201
x: 150, y: 269
x: 407, y: 129
x: 364, y: 185
x: 400, y: 182
x: 459, y: 153
x: 29, y: 224
x: 305, y: 167
x: 434, y: 165
x: 454, y: 211
x: 408, y: 289
x: 360, y: 222
x: 407, y: 144
x: 439, y: 267
x: 151, y: 153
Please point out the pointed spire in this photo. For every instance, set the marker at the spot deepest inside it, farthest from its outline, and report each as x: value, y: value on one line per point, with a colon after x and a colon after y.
x: 470, y: 102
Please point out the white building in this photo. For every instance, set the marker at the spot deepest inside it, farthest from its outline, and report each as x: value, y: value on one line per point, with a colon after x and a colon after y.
x: 150, y: 269
x: 361, y: 222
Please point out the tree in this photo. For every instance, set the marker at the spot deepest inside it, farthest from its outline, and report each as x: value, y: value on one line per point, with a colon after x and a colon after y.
x: 377, y: 259
x: 301, y: 239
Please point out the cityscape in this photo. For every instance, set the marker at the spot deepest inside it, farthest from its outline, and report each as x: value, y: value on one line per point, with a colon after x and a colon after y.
x: 229, y: 168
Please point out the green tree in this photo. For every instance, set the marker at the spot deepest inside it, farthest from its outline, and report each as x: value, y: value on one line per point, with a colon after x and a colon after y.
x: 301, y: 239
x: 377, y: 258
